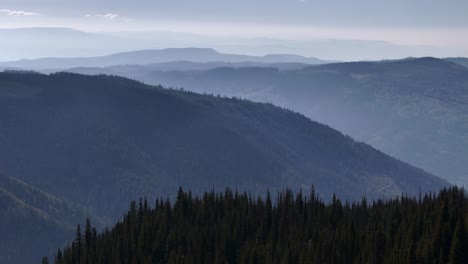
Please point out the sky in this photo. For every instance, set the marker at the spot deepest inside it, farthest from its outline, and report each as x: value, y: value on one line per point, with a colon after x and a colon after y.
x: 407, y: 22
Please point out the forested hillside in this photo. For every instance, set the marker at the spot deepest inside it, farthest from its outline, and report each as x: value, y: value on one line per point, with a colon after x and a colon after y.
x: 95, y: 138
x: 459, y: 60
x: 32, y: 221
x: 100, y: 142
x: 413, y: 109
x: 233, y: 227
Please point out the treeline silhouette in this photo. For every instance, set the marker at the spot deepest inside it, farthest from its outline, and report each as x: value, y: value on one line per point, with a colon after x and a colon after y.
x: 234, y: 227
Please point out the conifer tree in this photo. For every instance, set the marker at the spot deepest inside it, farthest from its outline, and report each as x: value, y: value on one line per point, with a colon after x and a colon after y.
x: 237, y: 228
x: 457, y: 250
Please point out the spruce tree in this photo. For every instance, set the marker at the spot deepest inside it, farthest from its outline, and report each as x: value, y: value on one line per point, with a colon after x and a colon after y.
x: 457, y: 250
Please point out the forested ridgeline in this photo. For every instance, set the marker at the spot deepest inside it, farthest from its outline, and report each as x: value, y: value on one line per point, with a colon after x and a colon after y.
x: 231, y: 227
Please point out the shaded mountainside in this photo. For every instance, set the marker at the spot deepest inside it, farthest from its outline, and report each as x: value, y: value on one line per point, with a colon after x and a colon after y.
x: 459, y: 60
x: 95, y: 132
x: 414, y: 109
x: 101, y: 141
x: 33, y: 222
x: 238, y: 228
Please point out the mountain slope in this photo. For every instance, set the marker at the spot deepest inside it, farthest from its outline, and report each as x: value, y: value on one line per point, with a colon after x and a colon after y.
x: 155, y: 56
x: 101, y: 141
x: 91, y: 132
x: 459, y: 60
x: 33, y: 222
x: 413, y: 109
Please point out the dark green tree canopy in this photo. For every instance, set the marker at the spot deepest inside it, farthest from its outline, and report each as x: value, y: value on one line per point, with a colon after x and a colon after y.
x: 232, y: 227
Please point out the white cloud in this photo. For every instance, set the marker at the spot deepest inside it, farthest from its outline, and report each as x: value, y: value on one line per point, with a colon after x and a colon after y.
x: 110, y: 16
x: 10, y: 12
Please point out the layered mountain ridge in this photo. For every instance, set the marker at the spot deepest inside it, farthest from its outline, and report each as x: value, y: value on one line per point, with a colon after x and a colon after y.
x: 101, y: 141
x: 414, y: 109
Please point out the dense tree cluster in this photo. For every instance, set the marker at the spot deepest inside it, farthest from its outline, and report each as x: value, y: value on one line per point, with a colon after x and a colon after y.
x: 237, y: 228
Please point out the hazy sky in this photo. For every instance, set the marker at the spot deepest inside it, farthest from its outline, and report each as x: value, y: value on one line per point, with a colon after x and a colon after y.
x: 413, y: 22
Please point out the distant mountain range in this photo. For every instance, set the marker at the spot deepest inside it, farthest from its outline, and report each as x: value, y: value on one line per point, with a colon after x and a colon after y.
x: 136, y: 70
x: 58, y: 42
x: 156, y: 56
x: 101, y: 141
x: 33, y: 43
x: 415, y: 108
x: 174, y: 59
